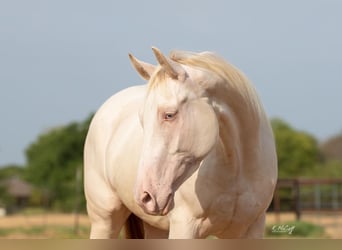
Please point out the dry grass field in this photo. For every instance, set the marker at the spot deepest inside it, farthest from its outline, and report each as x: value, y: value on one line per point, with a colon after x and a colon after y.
x: 44, y: 226
x: 62, y: 226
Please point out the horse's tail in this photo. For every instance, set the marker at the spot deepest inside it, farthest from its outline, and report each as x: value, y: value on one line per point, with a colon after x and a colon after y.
x: 134, y: 228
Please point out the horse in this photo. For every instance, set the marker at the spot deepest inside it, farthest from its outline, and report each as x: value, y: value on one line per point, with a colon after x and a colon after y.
x: 189, y: 154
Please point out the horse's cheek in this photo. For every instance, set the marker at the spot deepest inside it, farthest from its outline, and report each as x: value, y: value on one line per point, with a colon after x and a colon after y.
x: 205, y: 129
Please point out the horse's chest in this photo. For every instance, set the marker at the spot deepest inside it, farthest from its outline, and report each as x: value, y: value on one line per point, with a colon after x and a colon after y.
x: 236, y: 213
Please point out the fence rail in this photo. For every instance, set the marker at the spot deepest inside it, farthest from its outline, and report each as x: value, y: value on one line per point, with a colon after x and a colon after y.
x: 303, y: 194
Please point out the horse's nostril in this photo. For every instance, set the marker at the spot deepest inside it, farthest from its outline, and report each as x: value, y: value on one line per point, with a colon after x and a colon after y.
x: 146, y: 198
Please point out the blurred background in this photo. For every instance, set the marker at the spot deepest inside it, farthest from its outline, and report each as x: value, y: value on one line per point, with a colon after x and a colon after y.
x: 60, y: 60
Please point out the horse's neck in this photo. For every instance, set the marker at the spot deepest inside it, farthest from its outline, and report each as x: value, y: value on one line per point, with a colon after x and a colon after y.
x: 239, y: 128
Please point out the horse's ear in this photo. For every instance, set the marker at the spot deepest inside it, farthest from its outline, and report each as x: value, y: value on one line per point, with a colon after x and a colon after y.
x: 172, y: 68
x: 143, y: 68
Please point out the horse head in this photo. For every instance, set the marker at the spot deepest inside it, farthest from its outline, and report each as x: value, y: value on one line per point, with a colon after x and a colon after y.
x: 179, y: 129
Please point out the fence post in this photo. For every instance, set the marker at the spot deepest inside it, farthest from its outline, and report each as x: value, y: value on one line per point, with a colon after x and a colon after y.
x: 276, y: 204
x: 77, y: 199
x: 317, y: 197
x: 296, y: 187
x: 334, y: 197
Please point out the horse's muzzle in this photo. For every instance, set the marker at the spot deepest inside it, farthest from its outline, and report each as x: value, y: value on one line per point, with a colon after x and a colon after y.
x: 153, y: 206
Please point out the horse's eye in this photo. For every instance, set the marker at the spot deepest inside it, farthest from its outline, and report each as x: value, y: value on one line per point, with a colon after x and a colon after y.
x: 169, y: 116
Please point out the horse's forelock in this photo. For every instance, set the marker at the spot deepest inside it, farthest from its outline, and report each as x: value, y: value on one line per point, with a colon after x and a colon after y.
x: 157, y: 78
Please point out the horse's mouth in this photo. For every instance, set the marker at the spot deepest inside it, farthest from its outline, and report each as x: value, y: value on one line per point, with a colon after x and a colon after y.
x: 169, y: 205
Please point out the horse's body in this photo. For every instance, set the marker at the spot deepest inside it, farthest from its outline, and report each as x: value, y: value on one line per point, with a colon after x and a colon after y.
x: 191, y: 154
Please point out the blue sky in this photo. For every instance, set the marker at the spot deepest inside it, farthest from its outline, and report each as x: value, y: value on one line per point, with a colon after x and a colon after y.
x: 60, y: 60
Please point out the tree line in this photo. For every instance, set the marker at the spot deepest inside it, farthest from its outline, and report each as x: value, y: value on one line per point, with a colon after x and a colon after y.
x: 56, y: 156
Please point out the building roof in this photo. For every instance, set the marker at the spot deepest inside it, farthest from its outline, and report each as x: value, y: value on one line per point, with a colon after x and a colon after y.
x: 17, y: 187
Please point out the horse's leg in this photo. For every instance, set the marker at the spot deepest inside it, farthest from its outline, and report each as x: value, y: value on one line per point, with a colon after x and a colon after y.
x: 184, y: 227
x: 154, y: 233
x: 119, y: 217
x: 107, y: 222
x: 256, y: 230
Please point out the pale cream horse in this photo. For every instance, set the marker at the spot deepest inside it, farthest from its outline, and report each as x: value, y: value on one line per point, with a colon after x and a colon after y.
x: 188, y: 155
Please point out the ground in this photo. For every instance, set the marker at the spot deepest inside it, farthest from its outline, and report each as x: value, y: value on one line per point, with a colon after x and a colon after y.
x: 46, y: 225
x: 57, y: 225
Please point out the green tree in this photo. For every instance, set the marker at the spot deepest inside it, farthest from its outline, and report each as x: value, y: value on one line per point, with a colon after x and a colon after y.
x: 297, y: 151
x: 11, y: 171
x: 53, y: 160
x: 332, y: 148
x: 331, y: 154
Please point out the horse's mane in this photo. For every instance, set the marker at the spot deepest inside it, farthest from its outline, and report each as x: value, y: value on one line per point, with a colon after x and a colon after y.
x: 233, y: 79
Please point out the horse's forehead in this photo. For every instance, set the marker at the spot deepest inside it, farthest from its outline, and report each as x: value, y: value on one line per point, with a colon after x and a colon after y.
x: 170, y: 91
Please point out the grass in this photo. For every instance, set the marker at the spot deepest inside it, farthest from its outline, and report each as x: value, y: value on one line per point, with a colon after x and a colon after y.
x: 295, y: 229
x: 33, y: 211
